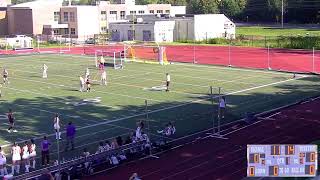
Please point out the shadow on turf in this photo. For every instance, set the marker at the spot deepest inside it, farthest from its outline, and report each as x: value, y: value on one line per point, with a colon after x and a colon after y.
x: 36, y: 115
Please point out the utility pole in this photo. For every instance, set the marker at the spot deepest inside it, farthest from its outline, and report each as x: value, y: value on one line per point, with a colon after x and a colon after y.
x: 282, y: 13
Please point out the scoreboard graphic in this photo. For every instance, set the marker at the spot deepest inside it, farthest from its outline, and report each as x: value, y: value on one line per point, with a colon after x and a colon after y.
x: 282, y: 160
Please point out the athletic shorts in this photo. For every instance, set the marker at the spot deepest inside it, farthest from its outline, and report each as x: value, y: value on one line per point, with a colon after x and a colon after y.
x: 16, y: 157
x: 5, y: 76
x: 25, y: 156
x: 56, y: 126
x: 168, y: 83
x: 33, y: 154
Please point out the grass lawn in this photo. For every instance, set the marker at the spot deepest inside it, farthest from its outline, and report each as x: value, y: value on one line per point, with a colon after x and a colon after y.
x: 113, y: 110
x: 272, y: 31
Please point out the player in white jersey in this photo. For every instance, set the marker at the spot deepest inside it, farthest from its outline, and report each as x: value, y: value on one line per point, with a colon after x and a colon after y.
x: 5, y: 75
x: 87, y: 75
x: 16, y: 158
x: 25, y: 156
x: 56, y: 126
x: 33, y: 153
x: 3, y: 162
x: 168, y: 79
x: 82, y: 84
x: 104, y: 78
x: 44, y: 71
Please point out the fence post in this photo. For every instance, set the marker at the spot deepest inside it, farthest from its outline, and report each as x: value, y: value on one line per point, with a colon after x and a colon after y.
x: 269, y: 67
x: 229, y: 54
x: 313, y: 65
x: 194, y: 52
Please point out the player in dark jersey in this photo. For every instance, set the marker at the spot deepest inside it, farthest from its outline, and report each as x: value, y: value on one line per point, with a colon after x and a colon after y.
x: 11, y: 121
x: 88, y: 83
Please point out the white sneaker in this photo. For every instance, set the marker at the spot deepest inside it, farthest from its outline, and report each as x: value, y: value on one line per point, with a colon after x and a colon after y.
x: 15, y: 131
x: 8, y: 131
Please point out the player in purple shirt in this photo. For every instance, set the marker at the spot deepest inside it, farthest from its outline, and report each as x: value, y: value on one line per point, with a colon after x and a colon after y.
x: 45, y: 144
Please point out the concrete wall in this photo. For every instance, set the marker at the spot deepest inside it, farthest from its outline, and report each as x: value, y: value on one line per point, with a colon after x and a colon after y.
x: 20, y: 21
x: 177, y: 10
x: 3, y: 21
x: 211, y: 26
x: 160, y: 31
x: 43, y: 16
x: 163, y: 31
x: 184, y: 29
x: 5, y: 3
x: 88, y: 23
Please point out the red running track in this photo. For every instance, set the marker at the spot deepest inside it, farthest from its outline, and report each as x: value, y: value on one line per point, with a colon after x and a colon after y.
x: 213, y: 158
x: 245, y: 57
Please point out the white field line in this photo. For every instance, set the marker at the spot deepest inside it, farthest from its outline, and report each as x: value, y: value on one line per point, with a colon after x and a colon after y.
x: 61, y: 85
x: 227, y: 68
x: 111, y: 79
x: 175, y: 63
x: 172, y: 107
x: 122, y: 84
x: 177, y: 75
x: 184, y: 104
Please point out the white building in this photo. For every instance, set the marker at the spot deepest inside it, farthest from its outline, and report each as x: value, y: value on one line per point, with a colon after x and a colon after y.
x: 148, y: 28
x: 203, y: 26
x: 168, y: 29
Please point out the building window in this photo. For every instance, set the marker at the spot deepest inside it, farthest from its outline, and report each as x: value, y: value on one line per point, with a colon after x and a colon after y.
x: 160, y: 11
x: 133, y: 12
x: 72, y: 16
x: 103, y: 29
x: 65, y: 17
x: 73, y: 30
x: 56, y: 16
x: 122, y: 14
x: 66, y: 31
x: 56, y: 31
x: 141, y: 12
x: 103, y: 15
x: 113, y: 12
x: 167, y: 11
x: 151, y: 11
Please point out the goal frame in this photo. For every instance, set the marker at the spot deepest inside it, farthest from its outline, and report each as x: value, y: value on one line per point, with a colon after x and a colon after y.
x: 115, y: 55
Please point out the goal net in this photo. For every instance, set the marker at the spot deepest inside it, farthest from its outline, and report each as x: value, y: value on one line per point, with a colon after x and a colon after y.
x: 146, y: 54
x: 109, y: 58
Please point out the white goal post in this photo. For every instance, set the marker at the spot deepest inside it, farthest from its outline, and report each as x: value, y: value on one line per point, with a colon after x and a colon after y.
x: 113, y: 58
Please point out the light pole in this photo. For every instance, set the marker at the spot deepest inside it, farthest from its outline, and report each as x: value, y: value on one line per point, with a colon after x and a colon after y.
x: 282, y: 13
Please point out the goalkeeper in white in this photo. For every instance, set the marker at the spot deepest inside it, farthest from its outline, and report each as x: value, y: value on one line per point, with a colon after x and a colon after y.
x: 44, y: 71
x: 104, y: 78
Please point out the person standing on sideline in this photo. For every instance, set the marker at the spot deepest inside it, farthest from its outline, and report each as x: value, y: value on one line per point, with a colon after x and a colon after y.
x: 70, y: 132
x: 168, y: 79
x: 33, y: 153
x: 56, y: 126
x: 16, y: 158
x: 222, y: 106
x: 45, y: 151
x: 3, y: 163
x: 44, y: 71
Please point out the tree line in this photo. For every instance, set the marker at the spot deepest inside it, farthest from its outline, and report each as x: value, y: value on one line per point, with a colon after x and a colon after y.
x: 295, y: 11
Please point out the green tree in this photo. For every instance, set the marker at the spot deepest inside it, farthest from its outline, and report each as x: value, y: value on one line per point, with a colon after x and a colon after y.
x: 230, y: 8
x: 202, y: 6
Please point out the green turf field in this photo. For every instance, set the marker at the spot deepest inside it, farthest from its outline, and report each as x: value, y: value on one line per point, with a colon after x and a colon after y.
x: 272, y: 31
x: 108, y: 112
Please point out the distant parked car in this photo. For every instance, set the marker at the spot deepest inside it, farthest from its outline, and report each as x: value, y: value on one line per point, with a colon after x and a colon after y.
x: 90, y: 41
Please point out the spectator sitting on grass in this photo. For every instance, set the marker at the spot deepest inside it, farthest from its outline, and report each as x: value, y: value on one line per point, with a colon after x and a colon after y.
x: 114, y: 144
x: 119, y: 140
x: 85, y: 153
x: 100, y: 148
x: 107, y: 146
x: 169, y: 130
x: 128, y: 140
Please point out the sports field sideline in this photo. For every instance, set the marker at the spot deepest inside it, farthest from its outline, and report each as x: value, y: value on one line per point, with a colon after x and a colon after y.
x: 108, y: 112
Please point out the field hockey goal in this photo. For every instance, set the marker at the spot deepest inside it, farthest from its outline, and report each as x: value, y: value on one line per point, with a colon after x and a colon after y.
x: 145, y: 54
x: 114, y: 59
